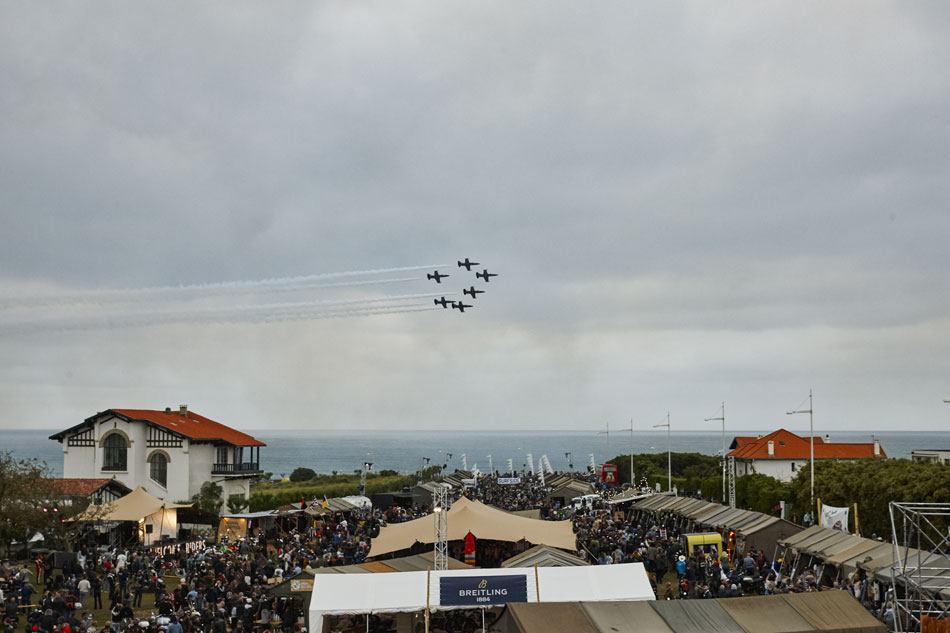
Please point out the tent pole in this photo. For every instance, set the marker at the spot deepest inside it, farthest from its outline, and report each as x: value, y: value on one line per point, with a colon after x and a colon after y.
x: 537, y: 584
x: 428, y: 587
x: 483, y: 619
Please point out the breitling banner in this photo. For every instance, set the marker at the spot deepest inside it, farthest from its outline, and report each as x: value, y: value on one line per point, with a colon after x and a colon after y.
x: 482, y: 590
x: 835, y: 518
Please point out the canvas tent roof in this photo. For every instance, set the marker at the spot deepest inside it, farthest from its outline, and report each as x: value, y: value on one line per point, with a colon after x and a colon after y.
x: 833, y: 611
x: 485, y: 522
x: 818, y: 547
x: 724, y: 519
x: 696, y: 616
x: 134, y: 506
x: 628, y: 495
x: 765, y: 614
x: 827, y: 611
x: 419, y: 562
x: 618, y: 616
x: 654, y: 500
x: 849, y: 559
x: 571, y: 489
x: 702, y: 512
x: 337, y: 594
x: 544, y: 556
x: 795, y: 539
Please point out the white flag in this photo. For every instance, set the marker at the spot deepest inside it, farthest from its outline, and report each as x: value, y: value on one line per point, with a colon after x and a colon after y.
x: 835, y: 518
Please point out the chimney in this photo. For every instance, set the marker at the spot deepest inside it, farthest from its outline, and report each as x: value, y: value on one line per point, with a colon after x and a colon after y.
x: 771, y: 448
x: 183, y: 410
x: 877, y: 448
x: 827, y: 439
x: 168, y: 409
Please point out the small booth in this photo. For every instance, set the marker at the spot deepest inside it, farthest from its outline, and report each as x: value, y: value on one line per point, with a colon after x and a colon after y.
x: 297, y: 589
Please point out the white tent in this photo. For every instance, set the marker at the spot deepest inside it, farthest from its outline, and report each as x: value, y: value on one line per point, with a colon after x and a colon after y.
x: 353, y: 594
x: 156, y: 518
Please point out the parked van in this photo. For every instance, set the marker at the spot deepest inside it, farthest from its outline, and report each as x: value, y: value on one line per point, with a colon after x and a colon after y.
x: 584, y: 501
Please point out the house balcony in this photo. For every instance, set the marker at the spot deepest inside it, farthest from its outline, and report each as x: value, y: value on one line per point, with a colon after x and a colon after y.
x: 237, y: 469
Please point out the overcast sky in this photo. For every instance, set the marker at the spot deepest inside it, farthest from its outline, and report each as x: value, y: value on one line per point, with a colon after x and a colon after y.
x: 687, y: 203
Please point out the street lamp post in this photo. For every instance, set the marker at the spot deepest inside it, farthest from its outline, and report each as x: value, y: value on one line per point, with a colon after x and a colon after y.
x: 669, y: 458
x: 722, y: 418
x: 811, y: 440
x: 632, y: 482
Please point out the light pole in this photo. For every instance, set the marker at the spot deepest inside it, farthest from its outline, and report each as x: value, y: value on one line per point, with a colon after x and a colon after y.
x: 811, y: 440
x: 722, y: 418
x: 669, y: 458
x: 632, y: 482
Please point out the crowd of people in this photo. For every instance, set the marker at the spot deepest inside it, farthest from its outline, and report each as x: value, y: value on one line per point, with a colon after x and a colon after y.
x: 225, y: 587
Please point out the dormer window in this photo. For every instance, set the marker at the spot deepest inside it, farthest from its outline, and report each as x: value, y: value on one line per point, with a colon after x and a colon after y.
x: 116, y: 453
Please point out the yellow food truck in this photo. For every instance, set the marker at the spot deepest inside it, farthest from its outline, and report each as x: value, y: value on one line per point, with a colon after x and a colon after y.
x: 705, y: 542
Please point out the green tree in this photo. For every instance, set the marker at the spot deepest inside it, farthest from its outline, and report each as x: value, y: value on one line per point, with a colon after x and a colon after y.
x: 209, y: 497
x: 303, y: 474
x: 872, y: 484
x: 29, y: 502
x: 237, y: 504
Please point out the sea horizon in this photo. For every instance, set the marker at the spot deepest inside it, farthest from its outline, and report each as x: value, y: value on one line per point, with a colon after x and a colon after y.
x: 406, y: 451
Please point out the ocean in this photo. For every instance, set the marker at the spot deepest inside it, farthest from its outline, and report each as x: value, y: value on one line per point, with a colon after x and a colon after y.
x: 406, y: 451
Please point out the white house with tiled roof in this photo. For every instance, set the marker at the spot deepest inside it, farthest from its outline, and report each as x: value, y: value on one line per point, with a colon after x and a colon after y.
x: 169, y: 453
x: 782, y: 454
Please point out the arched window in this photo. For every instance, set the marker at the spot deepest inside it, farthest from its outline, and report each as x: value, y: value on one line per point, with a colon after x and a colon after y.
x: 158, y: 468
x: 115, y: 453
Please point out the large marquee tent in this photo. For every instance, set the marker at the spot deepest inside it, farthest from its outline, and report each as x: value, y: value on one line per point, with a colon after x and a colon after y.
x: 406, y: 592
x: 482, y: 521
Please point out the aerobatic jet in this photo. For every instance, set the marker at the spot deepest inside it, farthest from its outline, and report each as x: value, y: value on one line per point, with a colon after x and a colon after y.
x: 485, y: 275
x: 460, y: 306
x: 437, y: 276
x: 467, y: 265
x: 473, y: 292
x: 443, y: 302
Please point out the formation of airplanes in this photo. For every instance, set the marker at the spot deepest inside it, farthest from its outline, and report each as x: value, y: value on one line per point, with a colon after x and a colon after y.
x: 467, y: 264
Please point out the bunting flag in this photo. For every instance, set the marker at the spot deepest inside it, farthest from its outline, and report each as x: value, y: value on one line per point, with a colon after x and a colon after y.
x: 835, y: 518
x: 470, y: 549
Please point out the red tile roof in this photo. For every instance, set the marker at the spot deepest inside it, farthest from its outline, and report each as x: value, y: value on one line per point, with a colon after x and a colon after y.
x: 78, y: 487
x: 787, y: 445
x: 192, y: 426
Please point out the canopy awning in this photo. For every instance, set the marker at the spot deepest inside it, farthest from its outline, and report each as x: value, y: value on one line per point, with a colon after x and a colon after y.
x: 485, y: 522
x: 134, y: 506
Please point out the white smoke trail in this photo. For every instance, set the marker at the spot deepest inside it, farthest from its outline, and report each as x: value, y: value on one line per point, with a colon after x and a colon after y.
x: 279, y: 284
x: 240, y: 314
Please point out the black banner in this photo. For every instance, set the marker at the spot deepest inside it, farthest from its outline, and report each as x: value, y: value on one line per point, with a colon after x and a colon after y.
x: 482, y: 590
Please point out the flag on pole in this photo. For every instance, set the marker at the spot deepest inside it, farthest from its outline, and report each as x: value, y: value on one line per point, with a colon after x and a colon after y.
x: 325, y: 504
x: 835, y: 518
x: 470, y: 549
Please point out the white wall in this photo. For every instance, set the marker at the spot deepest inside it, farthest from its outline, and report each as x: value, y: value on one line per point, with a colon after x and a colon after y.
x: 188, y: 467
x: 781, y: 469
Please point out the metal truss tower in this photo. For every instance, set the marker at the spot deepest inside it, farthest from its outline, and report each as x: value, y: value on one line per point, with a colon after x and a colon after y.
x: 921, y: 570
x: 440, y: 507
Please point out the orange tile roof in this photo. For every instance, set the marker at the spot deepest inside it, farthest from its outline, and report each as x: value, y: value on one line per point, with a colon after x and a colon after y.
x: 79, y: 487
x: 192, y: 426
x: 787, y: 445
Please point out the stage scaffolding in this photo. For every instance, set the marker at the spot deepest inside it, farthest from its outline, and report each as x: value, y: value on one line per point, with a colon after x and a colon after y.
x: 920, y: 576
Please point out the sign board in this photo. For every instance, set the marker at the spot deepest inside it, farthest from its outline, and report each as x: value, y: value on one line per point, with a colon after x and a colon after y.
x: 509, y: 480
x: 482, y: 590
x: 608, y: 474
x: 662, y: 532
x: 301, y: 584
